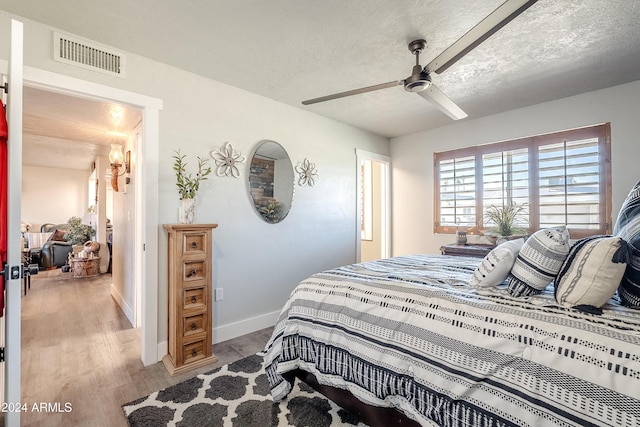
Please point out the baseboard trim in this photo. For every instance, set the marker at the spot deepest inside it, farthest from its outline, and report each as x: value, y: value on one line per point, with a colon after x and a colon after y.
x: 163, y: 350
x: 232, y: 330
x: 126, y: 308
x: 243, y: 327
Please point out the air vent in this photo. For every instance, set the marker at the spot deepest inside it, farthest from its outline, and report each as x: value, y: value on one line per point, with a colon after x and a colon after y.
x: 88, y: 54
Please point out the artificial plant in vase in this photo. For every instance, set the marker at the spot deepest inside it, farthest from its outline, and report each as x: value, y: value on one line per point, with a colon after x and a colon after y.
x: 188, y: 185
x: 505, y: 219
x: 78, y: 232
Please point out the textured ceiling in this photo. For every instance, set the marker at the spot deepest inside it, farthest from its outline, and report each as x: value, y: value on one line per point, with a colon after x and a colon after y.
x: 292, y: 50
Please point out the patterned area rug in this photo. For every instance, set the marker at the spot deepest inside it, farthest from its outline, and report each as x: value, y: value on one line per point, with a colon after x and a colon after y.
x: 235, y: 395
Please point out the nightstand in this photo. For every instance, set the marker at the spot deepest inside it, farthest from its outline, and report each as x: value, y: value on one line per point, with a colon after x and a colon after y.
x: 478, y: 250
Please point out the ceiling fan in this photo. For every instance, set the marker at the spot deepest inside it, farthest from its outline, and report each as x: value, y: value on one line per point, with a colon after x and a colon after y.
x: 420, y: 79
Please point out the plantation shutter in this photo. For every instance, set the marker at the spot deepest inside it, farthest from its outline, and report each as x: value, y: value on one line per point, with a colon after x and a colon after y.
x: 505, y: 180
x: 457, y: 192
x: 559, y: 178
x: 569, y: 183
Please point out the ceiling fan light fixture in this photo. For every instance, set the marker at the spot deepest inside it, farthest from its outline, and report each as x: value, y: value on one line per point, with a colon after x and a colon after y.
x: 417, y: 86
x: 417, y: 82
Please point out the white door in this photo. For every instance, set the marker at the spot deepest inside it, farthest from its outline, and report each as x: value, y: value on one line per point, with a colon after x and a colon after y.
x: 13, y: 285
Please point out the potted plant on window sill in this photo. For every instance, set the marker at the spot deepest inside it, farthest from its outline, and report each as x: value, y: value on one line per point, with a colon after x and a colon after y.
x: 188, y: 185
x: 505, y: 219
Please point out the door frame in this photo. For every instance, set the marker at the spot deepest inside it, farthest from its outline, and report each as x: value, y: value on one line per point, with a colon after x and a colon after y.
x: 15, y: 70
x: 362, y: 155
x: 146, y: 174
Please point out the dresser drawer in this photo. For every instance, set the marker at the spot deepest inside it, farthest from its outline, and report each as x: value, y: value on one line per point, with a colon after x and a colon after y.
x: 194, y: 270
x: 194, y: 243
x: 193, y: 351
x: 194, y: 298
x: 194, y: 324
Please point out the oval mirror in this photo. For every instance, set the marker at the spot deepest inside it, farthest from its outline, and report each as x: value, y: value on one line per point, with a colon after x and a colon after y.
x: 271, y: 181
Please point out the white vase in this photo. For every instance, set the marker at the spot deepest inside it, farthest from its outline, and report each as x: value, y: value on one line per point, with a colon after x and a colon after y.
x: 187, y: 211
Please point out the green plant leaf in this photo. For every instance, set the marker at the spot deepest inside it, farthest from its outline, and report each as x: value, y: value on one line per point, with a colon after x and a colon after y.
x: 505, y: 217
x: 187, y: 184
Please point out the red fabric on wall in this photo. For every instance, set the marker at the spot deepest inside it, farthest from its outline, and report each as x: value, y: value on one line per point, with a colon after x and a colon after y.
x: 3, y: 198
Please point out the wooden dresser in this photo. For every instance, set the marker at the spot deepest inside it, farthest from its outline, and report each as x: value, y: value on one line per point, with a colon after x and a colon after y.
x: 190, y: 297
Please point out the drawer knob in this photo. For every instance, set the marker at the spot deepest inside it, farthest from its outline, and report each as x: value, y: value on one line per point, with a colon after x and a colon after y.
x: 194, y: 300
x: 193, y: 273
x: 194, y: 245
x: 194, y: 353
x: 194, y: 327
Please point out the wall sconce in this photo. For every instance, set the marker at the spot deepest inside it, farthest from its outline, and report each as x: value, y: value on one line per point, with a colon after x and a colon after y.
x: 116, y: 158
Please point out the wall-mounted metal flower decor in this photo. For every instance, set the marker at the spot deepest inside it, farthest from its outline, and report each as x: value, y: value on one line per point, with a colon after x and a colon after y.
x: 227, y: 161
x: 307, y: 173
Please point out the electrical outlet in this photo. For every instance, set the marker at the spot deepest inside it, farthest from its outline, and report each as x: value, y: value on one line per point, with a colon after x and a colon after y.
x: 219, y: 294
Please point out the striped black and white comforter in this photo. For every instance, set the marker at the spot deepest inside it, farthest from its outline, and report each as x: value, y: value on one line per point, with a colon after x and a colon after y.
x: 410, y: 333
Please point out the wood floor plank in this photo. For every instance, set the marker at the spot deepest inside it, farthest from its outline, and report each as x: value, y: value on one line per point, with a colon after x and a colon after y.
x: 79, y: 349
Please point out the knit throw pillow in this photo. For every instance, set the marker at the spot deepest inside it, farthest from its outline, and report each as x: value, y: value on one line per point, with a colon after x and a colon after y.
x: 539, y: 261
x: 592, y: 272
x: 627, y: 227
x: 58, y: 236
x: 495, y: 267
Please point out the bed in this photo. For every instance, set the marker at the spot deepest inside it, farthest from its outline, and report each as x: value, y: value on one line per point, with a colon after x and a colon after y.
x: 410, y: 334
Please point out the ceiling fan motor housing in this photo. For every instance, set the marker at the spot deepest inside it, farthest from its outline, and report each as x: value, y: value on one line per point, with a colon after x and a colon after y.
x: 418, y: 81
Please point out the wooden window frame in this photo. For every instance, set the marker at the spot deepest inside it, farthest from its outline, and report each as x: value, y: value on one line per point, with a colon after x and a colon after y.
x: 601, y: 131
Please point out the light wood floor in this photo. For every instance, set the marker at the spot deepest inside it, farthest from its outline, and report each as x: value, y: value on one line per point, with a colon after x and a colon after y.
x: 78, y: 348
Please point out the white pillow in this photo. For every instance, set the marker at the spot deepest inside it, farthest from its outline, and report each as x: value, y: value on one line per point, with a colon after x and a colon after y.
x: 592, y: 271
x: 495, y: 267
x: 539, y: 261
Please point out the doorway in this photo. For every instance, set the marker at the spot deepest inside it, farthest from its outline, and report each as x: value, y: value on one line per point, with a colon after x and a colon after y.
x: 66, y: 142
x: 373, y: 228
x: 143, y: 216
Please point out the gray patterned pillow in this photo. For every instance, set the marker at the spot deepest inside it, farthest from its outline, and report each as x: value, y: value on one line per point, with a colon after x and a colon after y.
x: 539, y: 261
x: 627, y: 227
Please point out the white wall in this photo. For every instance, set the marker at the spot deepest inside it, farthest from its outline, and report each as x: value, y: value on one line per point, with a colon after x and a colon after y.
x: 101, y: 163
x: 412, y: 155
x: 122, y: 205
x: 256, y: 263
x: 52, y: 195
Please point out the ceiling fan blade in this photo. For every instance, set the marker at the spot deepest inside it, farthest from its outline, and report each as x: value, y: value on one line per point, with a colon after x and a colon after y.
x: 442, y: 101
x: 353, y: 92
x: 482, y: 31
